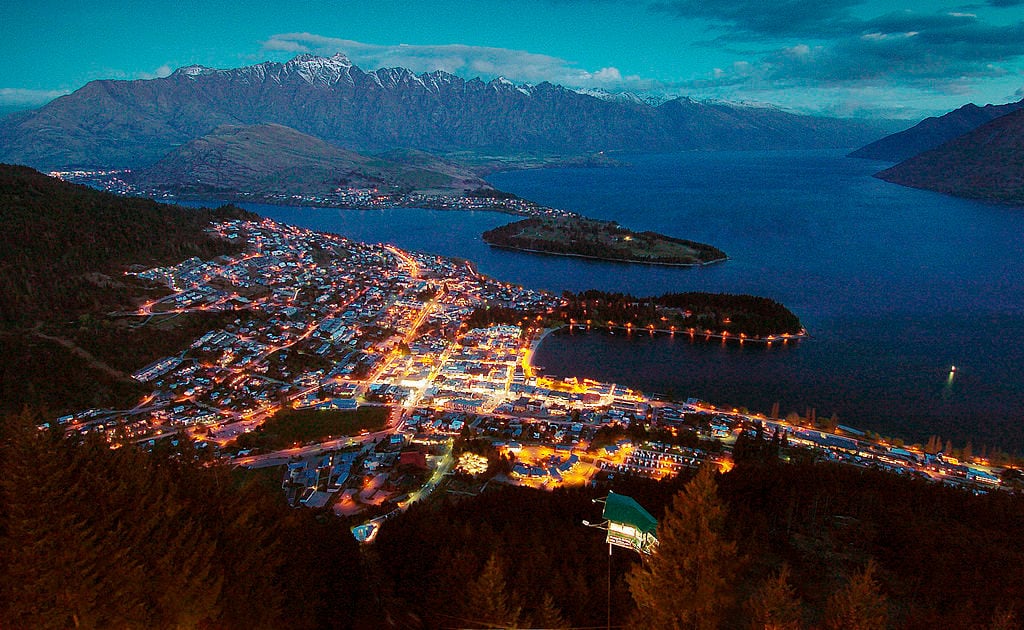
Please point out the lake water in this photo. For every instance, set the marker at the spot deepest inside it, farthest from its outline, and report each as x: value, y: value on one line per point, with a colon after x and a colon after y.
x: 895, y: 285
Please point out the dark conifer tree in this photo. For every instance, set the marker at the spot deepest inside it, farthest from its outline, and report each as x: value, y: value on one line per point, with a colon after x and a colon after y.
x: 548, y: 615
x: 775, y: 606
x: 488, y: 600
x: 688, y: 581
x: 860, y: 605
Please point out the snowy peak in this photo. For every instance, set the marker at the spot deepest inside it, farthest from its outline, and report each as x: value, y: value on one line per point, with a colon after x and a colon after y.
x: 331, y: 99
x: 623, y: 97
x: 438, y: 80
x: 319, y: 71
x: 435, y: 82
x: 328, y: 72
x: 501, y: 84
x: 193, y: 71
x: 395, y: 77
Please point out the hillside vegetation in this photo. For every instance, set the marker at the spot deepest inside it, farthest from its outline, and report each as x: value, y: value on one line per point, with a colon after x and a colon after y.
x: 750, y: 315
x: 64, y: 252
x: 96, y: 537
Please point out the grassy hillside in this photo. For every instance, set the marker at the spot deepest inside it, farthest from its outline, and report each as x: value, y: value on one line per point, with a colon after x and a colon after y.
x: 277, y: 160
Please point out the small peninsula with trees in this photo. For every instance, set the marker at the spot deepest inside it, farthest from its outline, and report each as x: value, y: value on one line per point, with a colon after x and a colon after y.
x: 705, y: 314
x: 603, y: 240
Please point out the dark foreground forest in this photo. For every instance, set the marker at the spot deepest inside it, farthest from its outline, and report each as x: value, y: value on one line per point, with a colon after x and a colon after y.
x: 95, y: 538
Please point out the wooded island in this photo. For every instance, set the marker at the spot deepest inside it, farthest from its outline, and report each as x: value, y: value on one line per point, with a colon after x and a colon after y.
x: 603, y: 240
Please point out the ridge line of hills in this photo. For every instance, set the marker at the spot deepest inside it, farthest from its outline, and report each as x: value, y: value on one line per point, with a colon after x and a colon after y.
x: 933, y: 132
x: 971, y: 152
x: 986, y: 163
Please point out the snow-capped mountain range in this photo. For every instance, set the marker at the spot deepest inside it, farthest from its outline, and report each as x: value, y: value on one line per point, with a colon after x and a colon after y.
x: 121, y: 124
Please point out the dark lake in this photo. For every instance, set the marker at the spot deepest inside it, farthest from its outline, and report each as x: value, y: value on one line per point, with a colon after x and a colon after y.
x: 895, y: 285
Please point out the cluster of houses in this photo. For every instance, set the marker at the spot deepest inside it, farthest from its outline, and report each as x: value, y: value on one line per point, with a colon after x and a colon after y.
x: 314, y: 313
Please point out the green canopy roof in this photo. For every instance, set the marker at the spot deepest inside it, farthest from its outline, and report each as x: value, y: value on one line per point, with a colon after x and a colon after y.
x: 622, y: 509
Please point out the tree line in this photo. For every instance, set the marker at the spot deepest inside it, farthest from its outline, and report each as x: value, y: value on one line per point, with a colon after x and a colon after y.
x: 97, y: 538
x: 60, y: 235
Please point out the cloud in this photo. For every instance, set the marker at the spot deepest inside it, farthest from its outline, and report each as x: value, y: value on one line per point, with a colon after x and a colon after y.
x: 460, y: 59
x: 283, y: 43
x: 163, y: 71
x: 19, y: 97
x: 940, y: 53
x: 779, y: 18
x: 942, y: 48
x: 123, y: 74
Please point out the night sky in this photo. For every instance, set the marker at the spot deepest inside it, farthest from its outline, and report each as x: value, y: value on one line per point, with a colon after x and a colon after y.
x: 896, y: 58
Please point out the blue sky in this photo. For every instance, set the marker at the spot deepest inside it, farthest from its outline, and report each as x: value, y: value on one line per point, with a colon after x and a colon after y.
x: 898, y: 58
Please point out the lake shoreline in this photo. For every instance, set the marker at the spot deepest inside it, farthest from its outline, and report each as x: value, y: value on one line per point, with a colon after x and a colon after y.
x: 692, y: 334
x: 605, y: 259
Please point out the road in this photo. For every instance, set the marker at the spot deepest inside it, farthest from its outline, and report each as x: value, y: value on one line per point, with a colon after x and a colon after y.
x: 277, y: 458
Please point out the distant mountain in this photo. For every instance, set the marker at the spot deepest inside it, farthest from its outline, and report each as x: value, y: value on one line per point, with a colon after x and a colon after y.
x: 987, y: 163
x: 131, y: 124
x: 932, y: 132
x: 271, y: 159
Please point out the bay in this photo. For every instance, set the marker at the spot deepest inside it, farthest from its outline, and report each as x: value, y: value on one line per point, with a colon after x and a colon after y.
x: 894, y: 284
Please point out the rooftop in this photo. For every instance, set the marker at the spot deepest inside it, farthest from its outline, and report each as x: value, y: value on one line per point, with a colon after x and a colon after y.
x: 622, y: 509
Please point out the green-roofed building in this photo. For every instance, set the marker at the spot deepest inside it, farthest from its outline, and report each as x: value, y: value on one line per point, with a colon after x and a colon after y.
x: 629, y: 524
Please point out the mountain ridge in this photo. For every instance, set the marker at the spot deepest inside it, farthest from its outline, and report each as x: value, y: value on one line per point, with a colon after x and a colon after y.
x: 933, y: 132
x: 132, y: 124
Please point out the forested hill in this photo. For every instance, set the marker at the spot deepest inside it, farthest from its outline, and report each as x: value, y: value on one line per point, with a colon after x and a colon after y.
x: 605, y: 240
x: 984, y: 164
x: 58, y: 236
x: 62, y: 258
x: 941, y: 558
x: 933, y: 132
x: 101, y: 538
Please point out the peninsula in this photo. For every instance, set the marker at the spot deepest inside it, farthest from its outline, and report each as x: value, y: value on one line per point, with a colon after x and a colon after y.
x: 602, y: 240
x: 710, y: 315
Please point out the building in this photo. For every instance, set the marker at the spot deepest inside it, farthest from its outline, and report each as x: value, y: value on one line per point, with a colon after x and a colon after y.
x: 629, y: 524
